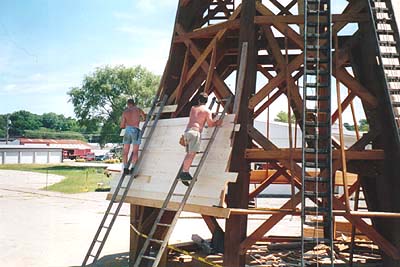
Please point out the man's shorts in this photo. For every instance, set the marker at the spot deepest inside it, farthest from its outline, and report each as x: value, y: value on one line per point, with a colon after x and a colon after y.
x: 192, y: 139
x: 132, y: 136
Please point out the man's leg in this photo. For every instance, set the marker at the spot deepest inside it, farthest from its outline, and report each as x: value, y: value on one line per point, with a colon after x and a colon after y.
x: 188, y: 161
x: 135, y: 154
x: 125, y: 157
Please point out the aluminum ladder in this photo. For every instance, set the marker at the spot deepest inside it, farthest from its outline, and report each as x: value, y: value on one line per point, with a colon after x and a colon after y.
x: 153, y: 257
x: 388, y: 49
x: 116, y: 202
x: 317, y: 150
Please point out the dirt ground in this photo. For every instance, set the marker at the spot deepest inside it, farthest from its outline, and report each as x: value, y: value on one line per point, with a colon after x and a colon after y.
x: 42, y: 228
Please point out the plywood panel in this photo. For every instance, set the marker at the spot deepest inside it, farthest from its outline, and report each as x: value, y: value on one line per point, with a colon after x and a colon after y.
x: 164, y: 156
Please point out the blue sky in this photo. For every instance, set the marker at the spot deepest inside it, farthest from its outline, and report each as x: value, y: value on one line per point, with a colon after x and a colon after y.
x: 47, y: 46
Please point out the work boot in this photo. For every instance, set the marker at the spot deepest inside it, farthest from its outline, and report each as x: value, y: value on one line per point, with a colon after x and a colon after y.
x: 185, y: 178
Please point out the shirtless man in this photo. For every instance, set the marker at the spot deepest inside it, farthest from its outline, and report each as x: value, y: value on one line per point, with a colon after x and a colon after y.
x: 130, y: 122
x: 199, y: 115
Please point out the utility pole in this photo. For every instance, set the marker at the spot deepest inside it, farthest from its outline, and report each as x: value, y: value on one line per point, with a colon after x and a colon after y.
x: 8, y: 123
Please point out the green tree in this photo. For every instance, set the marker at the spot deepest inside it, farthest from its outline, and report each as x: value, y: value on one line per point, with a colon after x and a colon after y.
x: 102, y: 97
x: 23, y: 120
x: 363, y: 125
x: 284, y: 117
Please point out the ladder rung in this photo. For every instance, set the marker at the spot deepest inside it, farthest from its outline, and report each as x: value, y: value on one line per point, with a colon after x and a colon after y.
x: 316, y: 223
x: 318, y: 179
x: 315, y: 137
x: 316, y: 60
x: 315, y: 194
x: 386, y: 43
x: 316, y: 124
x: 317, y: 240
x: 317, y: 12
x: 391, y: 66
x: 316, y: 210
x: 317, y: 98
x: 317, y: 110
x: 318, y: 35
x: 316, y: 150
x: 156, y: 240
x: 164, y: 224
x: 178, y: 195
x: 383, y: 31
x: 316, y: 24
x: 320, y: 165
x: 315, y: 85
x: 317, y: 72
x: 149, y: 257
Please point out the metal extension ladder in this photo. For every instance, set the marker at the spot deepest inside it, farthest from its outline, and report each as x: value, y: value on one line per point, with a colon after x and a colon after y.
x: 116, y: 202
x: 388, y: 49
x: 317, y: 150
x: 155, y: 256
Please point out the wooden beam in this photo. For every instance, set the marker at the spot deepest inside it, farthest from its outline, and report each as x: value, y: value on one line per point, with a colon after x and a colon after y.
x: 299, y: 19
x: 355, y: 86
x: 208, y: 31
x: 283, y: 154
x: 238, y: 193
x: 206, y: 210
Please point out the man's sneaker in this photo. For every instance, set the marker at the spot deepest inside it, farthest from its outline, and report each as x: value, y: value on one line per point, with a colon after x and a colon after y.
x: 185, y: 178
x: 126, y: 171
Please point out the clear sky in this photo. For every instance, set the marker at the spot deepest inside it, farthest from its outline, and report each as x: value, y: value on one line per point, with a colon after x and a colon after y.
x: 47, y: 46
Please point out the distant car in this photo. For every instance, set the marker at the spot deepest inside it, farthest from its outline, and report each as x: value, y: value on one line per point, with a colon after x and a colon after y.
x: 100, y: 157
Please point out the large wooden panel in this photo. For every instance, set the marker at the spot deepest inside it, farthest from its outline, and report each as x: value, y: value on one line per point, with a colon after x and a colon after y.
x: 164, y: 156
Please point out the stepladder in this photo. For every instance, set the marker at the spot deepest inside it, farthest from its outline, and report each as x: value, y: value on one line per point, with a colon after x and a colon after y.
x: 157, y: 240
x: 122, y: 188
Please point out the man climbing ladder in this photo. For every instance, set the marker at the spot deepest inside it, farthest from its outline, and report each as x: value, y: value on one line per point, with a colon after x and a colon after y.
x: 131, y: 118
x: 199, y: 116
x: 154, y: 246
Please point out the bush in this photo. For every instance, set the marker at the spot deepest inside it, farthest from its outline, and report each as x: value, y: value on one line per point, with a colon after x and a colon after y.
x: 112, y: 161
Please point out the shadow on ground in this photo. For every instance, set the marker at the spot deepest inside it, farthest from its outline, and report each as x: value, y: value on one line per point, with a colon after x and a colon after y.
x: 114, y: 260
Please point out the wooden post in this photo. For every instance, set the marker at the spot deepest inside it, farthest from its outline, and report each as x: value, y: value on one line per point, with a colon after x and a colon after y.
x: 238, y: 193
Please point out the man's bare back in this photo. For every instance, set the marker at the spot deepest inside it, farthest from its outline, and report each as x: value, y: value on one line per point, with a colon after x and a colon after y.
x: 131, y: 117
x: 199, y: 115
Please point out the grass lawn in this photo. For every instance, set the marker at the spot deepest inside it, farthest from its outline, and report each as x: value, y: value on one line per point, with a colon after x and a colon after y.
x: 77, y: 179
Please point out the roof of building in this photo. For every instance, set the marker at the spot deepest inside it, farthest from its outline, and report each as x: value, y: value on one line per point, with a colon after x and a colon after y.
x: 57, y: 143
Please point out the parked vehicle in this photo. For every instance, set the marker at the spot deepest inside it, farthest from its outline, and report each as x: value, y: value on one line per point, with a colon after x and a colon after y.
x: 78, y: 154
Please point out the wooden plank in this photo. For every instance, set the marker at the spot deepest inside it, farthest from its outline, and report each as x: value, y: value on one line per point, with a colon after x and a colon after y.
x: 205, y: 210
x: 166, y: 109
x: 255, y: 154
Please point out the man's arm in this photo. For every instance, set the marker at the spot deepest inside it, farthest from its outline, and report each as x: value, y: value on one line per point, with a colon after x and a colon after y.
x: 142, y: 115
x: 123, y: 121
x: 212, y: 122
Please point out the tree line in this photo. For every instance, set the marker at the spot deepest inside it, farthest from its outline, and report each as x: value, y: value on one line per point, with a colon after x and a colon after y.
x: 48, y: 125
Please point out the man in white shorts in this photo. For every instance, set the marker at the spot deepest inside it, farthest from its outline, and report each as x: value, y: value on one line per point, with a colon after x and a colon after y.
x: 199, y: 116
